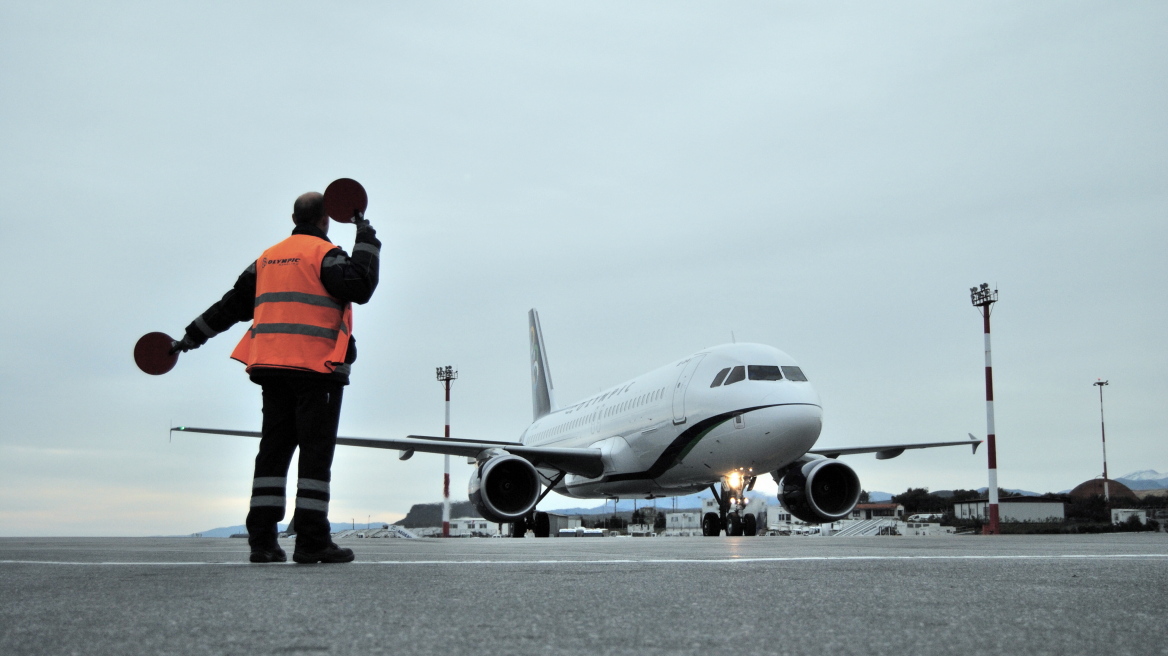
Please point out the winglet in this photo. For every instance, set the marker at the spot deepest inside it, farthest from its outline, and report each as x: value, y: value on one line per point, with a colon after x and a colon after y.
x: 976, y: 443
x: 543, y: 397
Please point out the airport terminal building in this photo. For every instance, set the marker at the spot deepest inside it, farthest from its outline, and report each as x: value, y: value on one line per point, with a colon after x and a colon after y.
x: 1013, y: 509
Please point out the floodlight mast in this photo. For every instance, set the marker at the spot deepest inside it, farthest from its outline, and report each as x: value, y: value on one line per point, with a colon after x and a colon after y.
x: 983, y: 298
x: 446, y: 375
x: 1103, y: 429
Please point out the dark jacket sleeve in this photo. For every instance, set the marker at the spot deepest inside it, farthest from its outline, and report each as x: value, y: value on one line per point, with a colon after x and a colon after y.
x: 353, y: 278
x: 238, y: 304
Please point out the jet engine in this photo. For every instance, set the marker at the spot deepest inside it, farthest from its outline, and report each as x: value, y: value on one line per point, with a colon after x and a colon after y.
x: 504, y: 488
x: 822, y: 490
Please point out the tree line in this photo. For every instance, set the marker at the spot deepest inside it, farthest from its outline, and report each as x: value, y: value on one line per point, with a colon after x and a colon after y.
x: 1087, y: 512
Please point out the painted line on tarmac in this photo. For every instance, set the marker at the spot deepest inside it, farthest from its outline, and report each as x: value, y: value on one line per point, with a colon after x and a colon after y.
x: 123, y: 564
x: 731, y: 561
x: 617, y: 561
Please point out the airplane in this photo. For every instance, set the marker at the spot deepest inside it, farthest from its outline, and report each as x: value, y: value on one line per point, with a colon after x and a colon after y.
x: 717, y: 419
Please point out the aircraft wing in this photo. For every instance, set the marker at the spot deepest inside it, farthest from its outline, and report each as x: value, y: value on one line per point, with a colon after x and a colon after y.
x: 886, y: 451
x: 583, y: 462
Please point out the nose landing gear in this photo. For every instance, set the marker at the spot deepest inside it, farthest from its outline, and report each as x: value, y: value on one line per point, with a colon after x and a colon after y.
x: 731, y: 515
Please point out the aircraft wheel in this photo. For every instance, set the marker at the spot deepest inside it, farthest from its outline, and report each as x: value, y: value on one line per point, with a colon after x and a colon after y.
x: 749, y: 525
x: 711, y: 525
x: 542, y: 526
x: 519, y: 527
x: 733, y: 524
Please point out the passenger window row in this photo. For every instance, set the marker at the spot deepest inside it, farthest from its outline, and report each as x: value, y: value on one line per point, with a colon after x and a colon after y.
x: 731, y: 375
x: 607, y: 412
x: 635, y: 402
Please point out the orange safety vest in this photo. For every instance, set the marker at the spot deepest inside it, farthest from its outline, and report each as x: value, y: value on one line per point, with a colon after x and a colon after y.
x: 297, y: 323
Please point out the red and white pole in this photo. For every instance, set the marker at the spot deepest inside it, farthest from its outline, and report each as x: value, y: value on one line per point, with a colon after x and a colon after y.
x: 446, y: 473
x: 991, y: 446
x: 983, y: 299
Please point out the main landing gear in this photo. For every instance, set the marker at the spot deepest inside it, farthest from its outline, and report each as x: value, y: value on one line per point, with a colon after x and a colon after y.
x: 537, y: 522
x: 731, y: 506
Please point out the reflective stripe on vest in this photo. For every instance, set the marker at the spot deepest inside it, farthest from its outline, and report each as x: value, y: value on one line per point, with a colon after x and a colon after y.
x: 297, y: 324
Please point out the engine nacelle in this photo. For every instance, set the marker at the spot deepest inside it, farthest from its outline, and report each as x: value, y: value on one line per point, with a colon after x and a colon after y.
x: 504, y: 488
x: 822, y: 490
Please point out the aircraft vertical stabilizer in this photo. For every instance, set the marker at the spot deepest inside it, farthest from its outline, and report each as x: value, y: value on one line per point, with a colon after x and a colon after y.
x: 543, y: 397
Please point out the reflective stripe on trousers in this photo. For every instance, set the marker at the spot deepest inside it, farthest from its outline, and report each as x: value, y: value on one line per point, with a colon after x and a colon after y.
x: 268, y: 491
x: 312, y: 494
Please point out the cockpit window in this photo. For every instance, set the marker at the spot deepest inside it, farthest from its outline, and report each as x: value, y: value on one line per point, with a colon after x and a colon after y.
x: 764, y: 372
x: 795, y: 374
x: 736, y: 374
x: 720, y: 377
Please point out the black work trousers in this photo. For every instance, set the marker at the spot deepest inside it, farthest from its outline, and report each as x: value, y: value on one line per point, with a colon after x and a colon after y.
x: 299, y: 411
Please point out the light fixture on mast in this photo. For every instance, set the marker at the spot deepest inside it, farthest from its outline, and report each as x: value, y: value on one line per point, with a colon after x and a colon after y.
x: 1103, y: 430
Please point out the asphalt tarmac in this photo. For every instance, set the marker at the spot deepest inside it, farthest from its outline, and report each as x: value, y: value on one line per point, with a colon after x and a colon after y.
x: 1104, y: 594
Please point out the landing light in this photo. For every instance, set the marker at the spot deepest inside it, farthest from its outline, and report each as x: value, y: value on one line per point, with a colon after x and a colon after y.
x: 734, y: 480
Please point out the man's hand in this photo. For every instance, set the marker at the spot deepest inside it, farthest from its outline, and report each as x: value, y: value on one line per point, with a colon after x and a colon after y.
x: 185, y: 344
x: 361, y: 222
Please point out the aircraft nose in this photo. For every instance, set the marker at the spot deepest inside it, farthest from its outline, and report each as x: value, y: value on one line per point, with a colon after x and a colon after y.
x: 798, y: 425
x: 808, y: 420
x: 782, y: 433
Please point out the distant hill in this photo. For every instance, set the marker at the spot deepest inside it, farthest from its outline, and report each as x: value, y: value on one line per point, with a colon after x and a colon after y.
x: 1159, y: 484
x: 1023, y: 493
x: 422, y: 515
x: 876, y: 497
x: 228, y: 531
x: 1145, y: 475
x: 1147, y: 479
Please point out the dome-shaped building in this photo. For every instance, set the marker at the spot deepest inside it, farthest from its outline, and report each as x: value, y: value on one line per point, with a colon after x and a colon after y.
x: 1094, y: 487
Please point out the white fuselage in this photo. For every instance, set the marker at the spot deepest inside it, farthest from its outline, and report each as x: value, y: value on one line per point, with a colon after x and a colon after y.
x: 670, y: 432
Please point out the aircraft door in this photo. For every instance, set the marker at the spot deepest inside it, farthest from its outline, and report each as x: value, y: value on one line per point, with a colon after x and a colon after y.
x: 687, y: 371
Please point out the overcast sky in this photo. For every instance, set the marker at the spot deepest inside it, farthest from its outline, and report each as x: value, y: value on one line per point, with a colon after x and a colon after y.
x: 829, y: 179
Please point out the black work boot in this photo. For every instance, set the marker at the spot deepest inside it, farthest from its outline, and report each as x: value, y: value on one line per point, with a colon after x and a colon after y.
x: 330, y: 554
x: 264, y: 547
x: 269, y: 554
x: 261, y: 537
